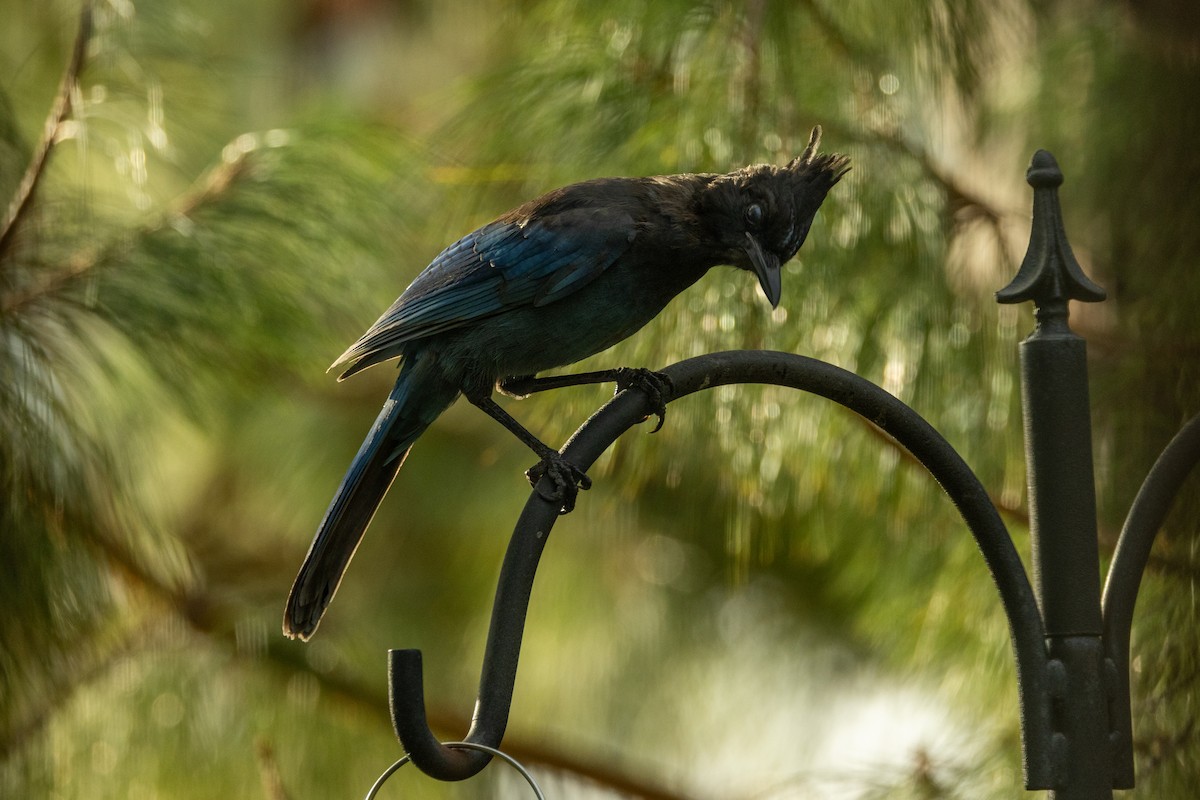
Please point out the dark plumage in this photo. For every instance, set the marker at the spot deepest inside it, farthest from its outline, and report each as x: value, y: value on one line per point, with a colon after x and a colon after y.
x: 554, y: 281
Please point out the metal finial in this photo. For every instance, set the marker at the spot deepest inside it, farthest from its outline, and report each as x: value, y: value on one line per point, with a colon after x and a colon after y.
x: 1043, y: 172
x: 1049, y: 275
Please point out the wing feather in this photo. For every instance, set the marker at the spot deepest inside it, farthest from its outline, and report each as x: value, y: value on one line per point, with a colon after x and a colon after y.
x: 504, y: 265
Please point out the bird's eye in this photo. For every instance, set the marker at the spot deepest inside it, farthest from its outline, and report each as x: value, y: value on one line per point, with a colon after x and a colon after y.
x: 754, y: 215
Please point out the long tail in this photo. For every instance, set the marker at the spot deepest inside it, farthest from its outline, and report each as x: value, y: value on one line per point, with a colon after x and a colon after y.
x: 417, y: 399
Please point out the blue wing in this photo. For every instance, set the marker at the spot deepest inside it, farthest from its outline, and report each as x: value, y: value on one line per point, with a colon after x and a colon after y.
x: 503, y: 265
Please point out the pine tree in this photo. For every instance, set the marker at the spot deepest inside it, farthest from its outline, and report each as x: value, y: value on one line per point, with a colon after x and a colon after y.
x: 203, y: 207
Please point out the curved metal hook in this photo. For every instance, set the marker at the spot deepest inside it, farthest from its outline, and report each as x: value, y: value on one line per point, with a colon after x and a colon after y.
x: 1146, y: 516
x: 406, y: 695
x: 628, y: 408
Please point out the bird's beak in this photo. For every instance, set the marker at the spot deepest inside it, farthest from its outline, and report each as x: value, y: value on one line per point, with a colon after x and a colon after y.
x: 766, y: 267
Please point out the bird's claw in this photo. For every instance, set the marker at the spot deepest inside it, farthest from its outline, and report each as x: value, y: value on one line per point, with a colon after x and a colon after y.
x: 567, y: 480
x: 655, y: 385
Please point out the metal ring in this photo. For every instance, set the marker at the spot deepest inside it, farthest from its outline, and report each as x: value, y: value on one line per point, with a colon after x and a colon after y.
x: 517, y: 765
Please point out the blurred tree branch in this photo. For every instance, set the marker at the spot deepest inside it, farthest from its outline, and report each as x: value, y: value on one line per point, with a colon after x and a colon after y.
x: 60, y: 110
x: 210, y: 188
x: 268, y: 768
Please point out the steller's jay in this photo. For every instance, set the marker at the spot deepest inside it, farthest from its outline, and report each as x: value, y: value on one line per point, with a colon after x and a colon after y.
x: 552, y: 282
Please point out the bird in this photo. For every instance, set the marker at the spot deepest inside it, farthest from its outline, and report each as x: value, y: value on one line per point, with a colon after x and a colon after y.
x: 557, y: 279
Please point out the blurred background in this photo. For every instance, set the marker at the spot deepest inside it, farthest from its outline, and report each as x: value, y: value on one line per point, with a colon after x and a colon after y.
x: 767, y: 599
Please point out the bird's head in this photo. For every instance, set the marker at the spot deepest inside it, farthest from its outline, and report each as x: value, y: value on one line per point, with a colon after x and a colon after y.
x: 761, y: 214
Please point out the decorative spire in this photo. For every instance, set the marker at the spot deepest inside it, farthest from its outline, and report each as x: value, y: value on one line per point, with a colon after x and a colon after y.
x: 1049, y: 275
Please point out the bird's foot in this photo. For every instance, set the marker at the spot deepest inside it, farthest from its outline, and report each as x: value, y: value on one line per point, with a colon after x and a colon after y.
x: 655, y: 385
x: 567, y: 478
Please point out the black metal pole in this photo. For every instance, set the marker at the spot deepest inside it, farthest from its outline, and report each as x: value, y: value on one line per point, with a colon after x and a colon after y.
x: 1062, y: 497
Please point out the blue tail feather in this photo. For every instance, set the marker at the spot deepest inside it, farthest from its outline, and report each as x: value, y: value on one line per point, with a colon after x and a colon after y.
x: 416, y: 400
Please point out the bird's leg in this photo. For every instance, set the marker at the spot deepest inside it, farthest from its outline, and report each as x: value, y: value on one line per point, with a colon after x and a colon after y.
x: 655, y: 385
x: 567, y: 478
x: 524, y: 385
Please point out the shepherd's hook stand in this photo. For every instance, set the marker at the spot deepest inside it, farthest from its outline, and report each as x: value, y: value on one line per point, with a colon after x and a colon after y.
x: 1071, y: 649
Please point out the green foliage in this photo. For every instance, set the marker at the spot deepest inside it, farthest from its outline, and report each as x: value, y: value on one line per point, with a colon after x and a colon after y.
x: 223, y: 209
